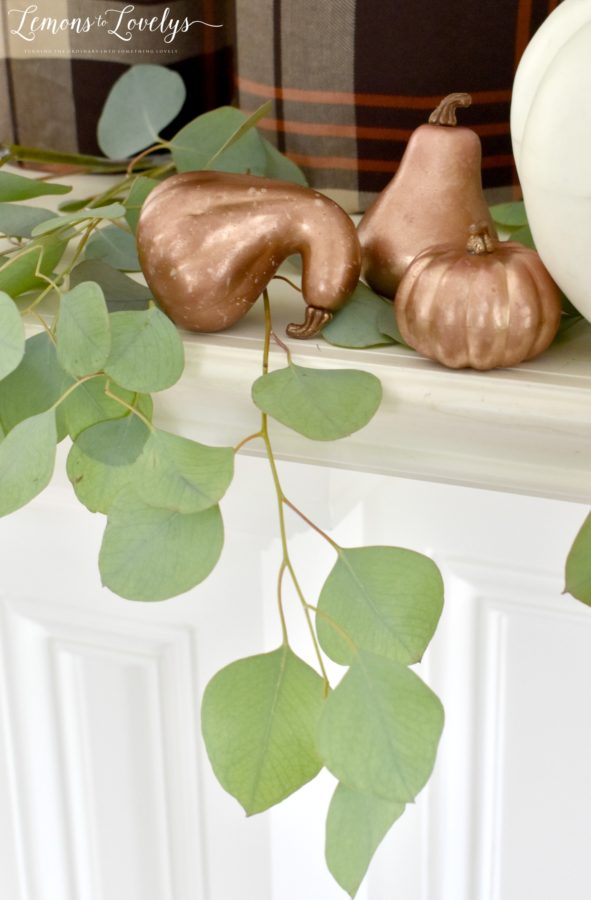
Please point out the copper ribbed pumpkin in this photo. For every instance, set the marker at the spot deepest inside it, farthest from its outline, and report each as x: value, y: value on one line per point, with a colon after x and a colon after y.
x: 490, y: 304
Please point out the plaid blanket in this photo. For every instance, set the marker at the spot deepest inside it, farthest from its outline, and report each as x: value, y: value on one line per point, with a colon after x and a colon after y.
x: 349, y: 80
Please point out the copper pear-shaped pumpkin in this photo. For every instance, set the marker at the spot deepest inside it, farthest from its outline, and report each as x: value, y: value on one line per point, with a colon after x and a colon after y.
x: 490, y: 304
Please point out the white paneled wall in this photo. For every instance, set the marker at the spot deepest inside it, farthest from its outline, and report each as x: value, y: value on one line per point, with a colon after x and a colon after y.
x: 105, y: 789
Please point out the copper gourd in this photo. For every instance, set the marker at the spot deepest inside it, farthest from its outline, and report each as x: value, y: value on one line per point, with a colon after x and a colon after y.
x: 209, y: 243
x: 490, y: 304
x: 434, y: 197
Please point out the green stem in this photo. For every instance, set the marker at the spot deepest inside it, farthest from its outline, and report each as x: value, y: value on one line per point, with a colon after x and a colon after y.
x: 282, y: 569
x: 80, y: 160
x: 132, y: 409
x: 286, y: 562
x: 73, y: 387
x: 312, y: 524
x: 251, y: 437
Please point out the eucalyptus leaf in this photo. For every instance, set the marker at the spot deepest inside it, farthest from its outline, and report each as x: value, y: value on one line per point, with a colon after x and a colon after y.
x: 523, y: 236
x: 578, y: 565
x: 120, y: 291
x: 385, y: 599
x: 358, y: 323
x: 198, y: 144
x: 20, y: 271
x: 12, y: 336
x: 27, y: 459
x: 89, y: 404
x: 150, y: 553
x: 112, y: 211
x: 114, y: 442
x: 68, y: 206
x: 184, y: 475
x: 322, y: 404
x: 380, y: 728
x: 17, y: 220
x: 387, y: 325
x: 17, y: 187
x: 140, y: 189
x: 115, y: 247
x: 259, y: 717
x: 146, y: 351
x: 279, y: 166
x: 140, y: 104
x: 355, y: 826
x: 511, y: 215
x: 34, y: 386
x: 97, y: 483
x: 83, y: 331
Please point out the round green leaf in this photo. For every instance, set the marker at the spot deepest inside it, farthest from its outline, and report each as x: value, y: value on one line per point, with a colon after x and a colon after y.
x: 83, y: 331
x: 12, y: 336
x: 18, y: 220
x: 322, y: 404
x: 380, y: 729
x: 146, y: 351
x: 17, y: 187
x: 120, y: 291
x: 106, y: 458
x: 113, y: 211
x: 27, y: 458
x: 259, y: 718
x: 115, y: 247
x: 115, y: 442
x: 578, y: 565
x: 199, y: 145
x: 141, y: 103
x: 358, y: 323
x: 386, y: 599
x: 150, y: 553
x: 35, y: 385
x: 511, y: 215
x: 19, y: 271
x: 184, y: 475
x: 355, y: 827
x: 88, y: 405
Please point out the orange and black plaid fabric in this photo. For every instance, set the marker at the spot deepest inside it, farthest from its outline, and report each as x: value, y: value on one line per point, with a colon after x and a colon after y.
x: 351, y: 80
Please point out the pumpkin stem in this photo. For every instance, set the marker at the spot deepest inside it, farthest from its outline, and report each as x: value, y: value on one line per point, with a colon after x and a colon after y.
x: 445, y: 114
x: 481, y: 240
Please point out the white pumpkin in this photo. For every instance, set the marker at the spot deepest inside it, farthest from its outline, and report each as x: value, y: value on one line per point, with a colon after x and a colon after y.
x: 551, y: 133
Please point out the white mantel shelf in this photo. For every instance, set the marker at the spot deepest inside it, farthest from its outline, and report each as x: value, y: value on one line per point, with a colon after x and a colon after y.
x: 523, y: 430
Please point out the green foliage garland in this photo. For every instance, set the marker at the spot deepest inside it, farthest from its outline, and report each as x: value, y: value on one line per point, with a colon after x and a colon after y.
x: 270, y: 721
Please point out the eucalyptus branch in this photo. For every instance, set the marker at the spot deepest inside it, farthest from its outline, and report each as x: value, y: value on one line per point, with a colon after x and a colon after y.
x: 286, y: 562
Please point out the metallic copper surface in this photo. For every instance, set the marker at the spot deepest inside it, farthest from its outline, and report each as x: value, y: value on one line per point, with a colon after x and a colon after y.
x: 434, y: 197
x: 491, y: 304
x: 209, y: 243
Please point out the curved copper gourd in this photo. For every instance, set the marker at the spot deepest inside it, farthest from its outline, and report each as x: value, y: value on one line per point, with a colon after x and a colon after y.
x: 434, y: 197
x: 209, y: 243
x: 490, y: 304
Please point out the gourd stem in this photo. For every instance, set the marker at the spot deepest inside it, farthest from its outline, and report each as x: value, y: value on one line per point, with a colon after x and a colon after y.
x: 481, y: 240
x: 445, y: 114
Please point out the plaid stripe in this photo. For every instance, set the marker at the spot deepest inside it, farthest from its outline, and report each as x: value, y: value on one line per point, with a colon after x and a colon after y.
x: 351, y: 81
